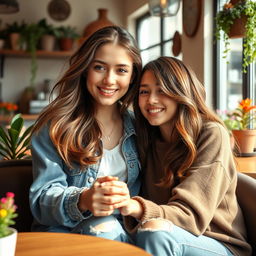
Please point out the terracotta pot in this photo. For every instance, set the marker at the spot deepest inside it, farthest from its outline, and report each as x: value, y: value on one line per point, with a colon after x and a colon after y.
x: 66, y: 44
x: 101, y: 22
x: 15, y: 41
x: 245, y: 140
x: 235, y: 1
x: 47, y: 42
x: 237, y: 29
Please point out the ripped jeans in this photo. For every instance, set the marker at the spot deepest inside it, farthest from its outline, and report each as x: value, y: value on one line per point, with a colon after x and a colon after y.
x: 160, y: 237
x: 108, y: 227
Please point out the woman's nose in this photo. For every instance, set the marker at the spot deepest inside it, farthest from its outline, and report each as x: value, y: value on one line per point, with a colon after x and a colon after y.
x: 152, y: 99
x: 109, y: 78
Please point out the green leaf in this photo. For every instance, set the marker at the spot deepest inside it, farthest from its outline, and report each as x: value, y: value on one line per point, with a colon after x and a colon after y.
x: 17, y: 124
x: 5, y: 137
x: 14, y: 135
x: 25, y: 134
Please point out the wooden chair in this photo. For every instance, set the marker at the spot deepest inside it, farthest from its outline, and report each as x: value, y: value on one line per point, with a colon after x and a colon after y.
x: 246, y: 196
x: 16, y: 177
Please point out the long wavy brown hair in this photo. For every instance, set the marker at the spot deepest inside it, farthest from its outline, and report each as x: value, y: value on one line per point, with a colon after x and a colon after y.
x: 73, y: 128
x: 180, y: 83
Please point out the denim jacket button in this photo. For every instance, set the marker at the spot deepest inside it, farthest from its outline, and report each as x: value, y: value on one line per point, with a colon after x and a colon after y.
x: 91, y: 180
x: 131, y: 164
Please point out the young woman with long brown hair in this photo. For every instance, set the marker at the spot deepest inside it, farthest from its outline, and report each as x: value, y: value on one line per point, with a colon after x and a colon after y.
x: 85, y: 137
x: 188, y: 203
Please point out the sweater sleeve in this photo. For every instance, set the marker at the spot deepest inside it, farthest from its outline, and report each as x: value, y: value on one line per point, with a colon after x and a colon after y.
x: 194, y: 201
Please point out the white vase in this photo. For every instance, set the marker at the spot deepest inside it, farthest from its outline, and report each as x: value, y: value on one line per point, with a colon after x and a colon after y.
x: 8, y: 244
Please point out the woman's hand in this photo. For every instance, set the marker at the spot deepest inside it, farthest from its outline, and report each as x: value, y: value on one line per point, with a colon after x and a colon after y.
x: 101, y: 198
x: 131, y: 207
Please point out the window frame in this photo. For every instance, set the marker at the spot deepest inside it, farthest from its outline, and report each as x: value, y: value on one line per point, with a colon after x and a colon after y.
x: 248, y: 79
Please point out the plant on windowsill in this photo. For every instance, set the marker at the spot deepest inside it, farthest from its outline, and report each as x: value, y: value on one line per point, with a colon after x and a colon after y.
x: 15, y: 139
x: 241, y: 12
x: 242, y: 125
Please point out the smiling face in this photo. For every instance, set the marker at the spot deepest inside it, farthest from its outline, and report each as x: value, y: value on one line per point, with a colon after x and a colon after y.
x: 109, y: 74
x: 157, y: 107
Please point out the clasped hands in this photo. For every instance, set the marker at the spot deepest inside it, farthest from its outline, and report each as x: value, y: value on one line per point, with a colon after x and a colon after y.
x: 106, y: 195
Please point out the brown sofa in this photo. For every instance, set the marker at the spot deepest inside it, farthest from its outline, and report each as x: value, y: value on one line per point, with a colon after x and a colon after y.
x: 16, y: 176
x: 246, y: 196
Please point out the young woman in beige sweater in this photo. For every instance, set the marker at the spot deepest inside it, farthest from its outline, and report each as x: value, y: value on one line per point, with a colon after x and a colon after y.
x: 188, y: 204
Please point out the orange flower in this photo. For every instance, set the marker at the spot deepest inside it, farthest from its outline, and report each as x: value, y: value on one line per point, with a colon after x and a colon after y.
x: 8, y: 107
x: 245, y: 105
x: 228, y: 6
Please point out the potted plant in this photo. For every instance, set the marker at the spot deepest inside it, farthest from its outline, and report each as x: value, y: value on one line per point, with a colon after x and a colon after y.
x: 8, y: 235
x: 67, y: 36
x: 242, y: 124
x: 14, y: 31
x: 15, y: 140
x: 7, y: 110
x: 245, y: 11
x: 49, y: 35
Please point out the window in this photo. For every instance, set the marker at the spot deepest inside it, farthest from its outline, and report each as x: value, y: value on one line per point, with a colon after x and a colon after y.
x: 155, y: 35
x: 232, y: 85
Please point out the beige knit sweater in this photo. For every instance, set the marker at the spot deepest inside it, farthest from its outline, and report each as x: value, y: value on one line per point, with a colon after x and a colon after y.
x: 205, y: 202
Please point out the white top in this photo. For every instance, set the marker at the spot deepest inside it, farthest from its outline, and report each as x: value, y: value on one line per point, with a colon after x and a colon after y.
x: 113, y: 163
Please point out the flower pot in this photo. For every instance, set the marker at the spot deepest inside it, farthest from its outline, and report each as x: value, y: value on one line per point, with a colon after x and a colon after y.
x: 5, y: 119
x: 66, y: 44
x: 238, y: 29
x: 15, y: 41
x: 48, y: 42
x: 245, y: 140
x: 8, y: 243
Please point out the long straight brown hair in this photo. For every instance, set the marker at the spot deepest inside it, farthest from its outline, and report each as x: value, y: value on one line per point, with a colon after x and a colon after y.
x: 73, y: 128
x: 180, y: 83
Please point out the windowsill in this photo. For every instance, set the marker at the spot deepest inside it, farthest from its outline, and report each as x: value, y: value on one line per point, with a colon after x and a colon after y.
x: 246, y: 165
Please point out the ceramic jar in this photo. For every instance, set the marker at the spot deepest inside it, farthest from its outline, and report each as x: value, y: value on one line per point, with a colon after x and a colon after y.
x: 101, y: 22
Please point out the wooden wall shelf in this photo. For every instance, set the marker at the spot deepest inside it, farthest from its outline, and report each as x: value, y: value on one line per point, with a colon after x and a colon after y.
x: 23, y: 54
x: 39, y: 53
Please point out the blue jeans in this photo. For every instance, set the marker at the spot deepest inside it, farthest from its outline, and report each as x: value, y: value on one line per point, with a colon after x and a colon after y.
x: 109, y: 227
x: 178, y: 242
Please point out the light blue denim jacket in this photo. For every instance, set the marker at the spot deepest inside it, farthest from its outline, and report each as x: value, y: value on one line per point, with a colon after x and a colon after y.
x: 56, y: 188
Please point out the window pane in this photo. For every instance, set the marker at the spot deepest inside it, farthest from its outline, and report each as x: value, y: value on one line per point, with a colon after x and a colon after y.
x: 171, y: 24
x: 168, y: 49
x: 230, y: 80
x: 149, y: 32
x: 150, y: 54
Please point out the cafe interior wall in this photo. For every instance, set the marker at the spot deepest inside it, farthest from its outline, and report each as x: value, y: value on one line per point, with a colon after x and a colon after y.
x: 124, y: 13
x: 17, y: 70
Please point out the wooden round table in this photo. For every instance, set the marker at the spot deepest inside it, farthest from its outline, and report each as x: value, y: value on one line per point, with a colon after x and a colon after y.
x: 62, y: 244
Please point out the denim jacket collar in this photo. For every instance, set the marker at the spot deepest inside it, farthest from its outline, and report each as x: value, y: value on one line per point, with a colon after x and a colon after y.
x: 128, y: 119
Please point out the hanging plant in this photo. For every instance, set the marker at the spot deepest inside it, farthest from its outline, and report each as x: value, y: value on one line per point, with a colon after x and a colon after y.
x: 226, y: 18
x: 31, y: 36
